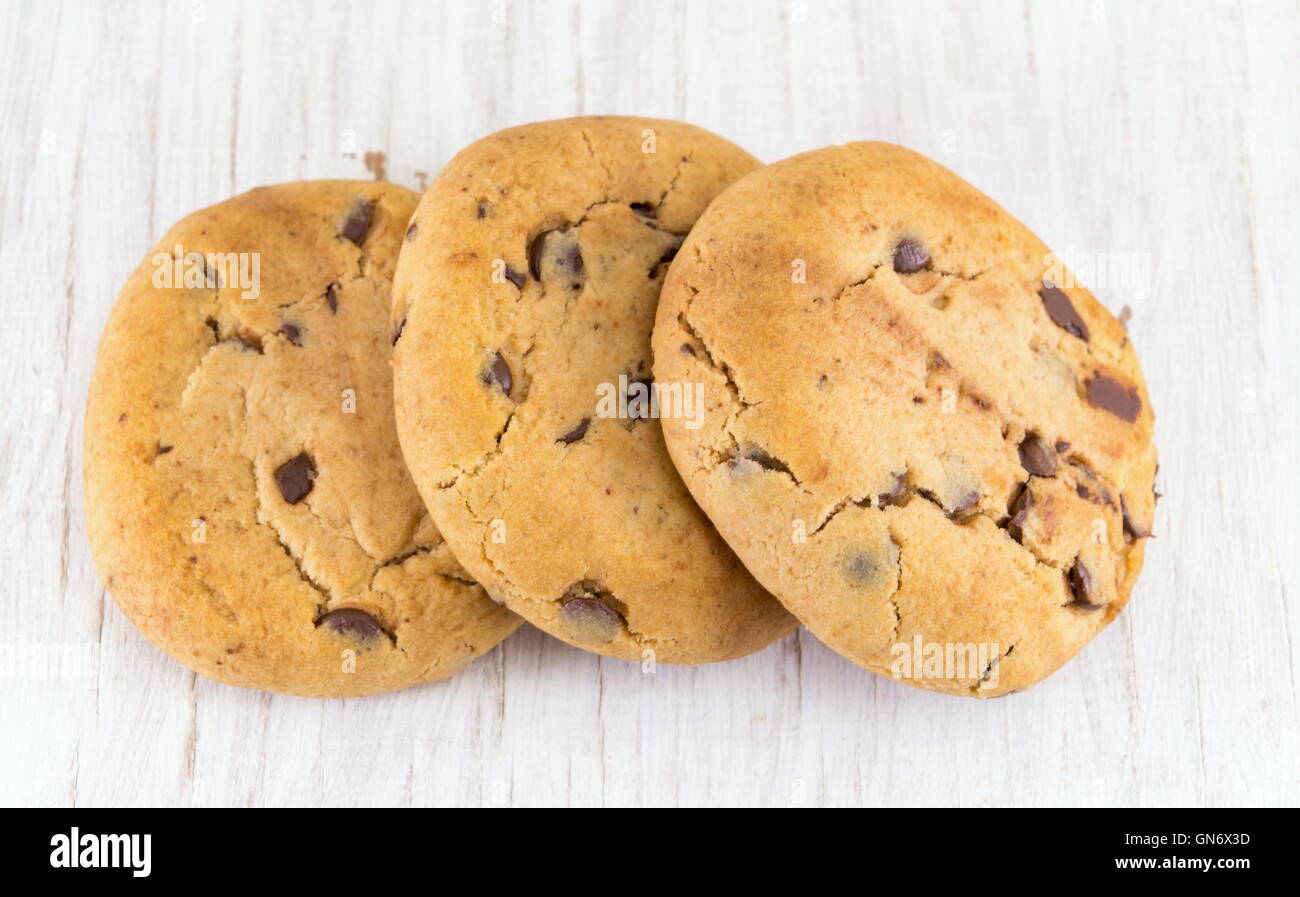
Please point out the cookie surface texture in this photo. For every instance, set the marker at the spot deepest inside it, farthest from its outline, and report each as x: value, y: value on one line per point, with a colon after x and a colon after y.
x: 246, y: 499
x: 920, y: 434
x: 524, y: 301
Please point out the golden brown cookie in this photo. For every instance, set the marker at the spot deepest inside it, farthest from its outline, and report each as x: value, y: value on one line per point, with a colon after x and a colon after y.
x: 246, y: 499
x: 523, y: 306
x: 937, y: 457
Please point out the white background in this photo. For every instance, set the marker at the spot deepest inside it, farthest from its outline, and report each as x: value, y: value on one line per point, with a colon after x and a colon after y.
x: 1165, y: 131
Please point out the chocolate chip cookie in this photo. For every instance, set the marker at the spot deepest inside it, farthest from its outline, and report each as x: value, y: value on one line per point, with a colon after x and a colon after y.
x: 920, y: 433
x: 523, y: 306
x: 246, y: 499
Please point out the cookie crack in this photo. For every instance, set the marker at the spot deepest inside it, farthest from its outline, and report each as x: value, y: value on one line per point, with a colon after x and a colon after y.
x: 218, y: 602
x: 484, y: 460
x: 591, y: 149
x: 677, y: 174
x: 988, y: 670
x: 326, y: 598
x: 898, y: 588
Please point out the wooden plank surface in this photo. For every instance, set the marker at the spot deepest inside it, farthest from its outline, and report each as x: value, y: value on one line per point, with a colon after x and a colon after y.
x: 1164, y: 134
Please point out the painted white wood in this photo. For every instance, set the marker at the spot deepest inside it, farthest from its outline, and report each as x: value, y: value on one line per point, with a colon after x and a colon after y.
x: 1165, y: 130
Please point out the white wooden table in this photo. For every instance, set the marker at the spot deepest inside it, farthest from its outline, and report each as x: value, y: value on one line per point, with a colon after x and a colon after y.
x: 1161, y: 134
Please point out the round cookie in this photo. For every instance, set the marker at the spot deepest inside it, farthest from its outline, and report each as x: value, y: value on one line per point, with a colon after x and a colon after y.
x: 920, y: 434
x: 246, y: 499
x: 523, y: 306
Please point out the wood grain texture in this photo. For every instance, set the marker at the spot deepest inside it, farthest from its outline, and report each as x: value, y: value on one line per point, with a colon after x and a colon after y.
x: 1165, y: 132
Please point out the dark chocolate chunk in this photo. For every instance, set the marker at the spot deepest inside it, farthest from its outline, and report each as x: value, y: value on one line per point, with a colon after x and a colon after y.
x: 1019, y: 512
x: 867, y: 566
x: 292, y: 332
x: 570, y: 258
x: 766, y: 461
x: 910, y: 256
x: 966, y: 508
x: 688, y: 348
x: 515, y: 277
x: 1036, y: 457
x: 351, y: 622
x: 1061, y: 310
x: 397, y: 331
x: 1111, y: 395
x: 357, y: 224
x: 562, y: 247
x: 589, y: 619
x: 481, y: 211
x: 576, y: 433
x: 332, y: 298
x: 860, y: 567
x: 664, y: 261
x: 1131, y: 530
x: 536, y: 247
x: 295, y: 478
x: 163, y: 449
x: 638, y: 400
x: 643, y: 209
x: 1081, y: 587
x: 897, y: 494
x: 411, y: 232
x: 498, y: 373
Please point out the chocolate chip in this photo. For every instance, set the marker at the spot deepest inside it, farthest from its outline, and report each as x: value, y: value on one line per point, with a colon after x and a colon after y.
x: 481, y: 211
x: 357, y: 224
x: 515, y: 277
x: 1019, y: 512
x: 536, y: 247
x: 896, y: 495
x: 589, y: 619
x: 910, y: 256
x: 967, y: 506
x: 1131, y: 530
x: 1102, y: 493
x: 352, y: 623
x: 643, y: 209
x: 562, y: 247
x: 295, y: 478
x: 1061, y: 310
x: 1036, y: 457
x: 1081, y: 586
x: 292, y: 332
x: 860, y: 567
x: 411, y: 232
x: 664, y: 260
x: 1111, y: 395
x: 498, y: 372
x: 638, y: 400
x: 570, y: 258
x: 1062, y: 446
x: 866, y: 567
x: 163, y: 449
x: 766, y: 461
x: 332, y: 298
x: 397, y: 331
x: 576, y: 433
x: 688, y: 348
